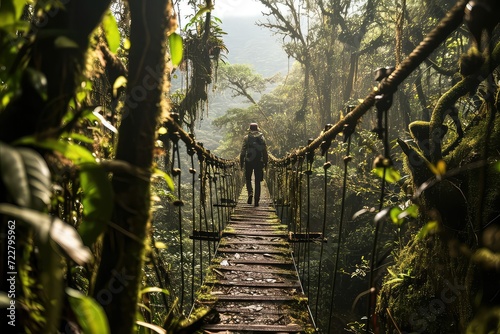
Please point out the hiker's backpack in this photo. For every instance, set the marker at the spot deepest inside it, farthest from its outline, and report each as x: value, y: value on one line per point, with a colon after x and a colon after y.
x: 255, y: 146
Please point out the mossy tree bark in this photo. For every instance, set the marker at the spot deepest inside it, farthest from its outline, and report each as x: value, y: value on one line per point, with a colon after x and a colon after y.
x: 119, y: 274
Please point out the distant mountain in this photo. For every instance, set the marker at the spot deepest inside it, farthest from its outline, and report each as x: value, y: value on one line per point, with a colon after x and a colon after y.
x: 254, y: 45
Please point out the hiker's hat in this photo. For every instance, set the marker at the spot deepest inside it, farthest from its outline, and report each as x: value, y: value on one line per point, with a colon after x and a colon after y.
x: 253, y: 127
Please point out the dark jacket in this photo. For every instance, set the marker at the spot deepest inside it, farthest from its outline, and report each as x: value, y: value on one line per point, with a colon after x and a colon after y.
x: 254, y: 149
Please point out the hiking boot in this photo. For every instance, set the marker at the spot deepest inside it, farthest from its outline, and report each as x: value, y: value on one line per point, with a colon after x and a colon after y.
x: 256, y: 204
x: 249, y: 201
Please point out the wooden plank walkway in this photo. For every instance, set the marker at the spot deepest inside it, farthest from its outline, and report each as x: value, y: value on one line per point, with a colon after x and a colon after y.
x: 253, y: 285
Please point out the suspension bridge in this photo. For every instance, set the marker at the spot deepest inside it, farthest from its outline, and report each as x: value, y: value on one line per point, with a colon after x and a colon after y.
x: 259, y: 276
x: 253, y: 285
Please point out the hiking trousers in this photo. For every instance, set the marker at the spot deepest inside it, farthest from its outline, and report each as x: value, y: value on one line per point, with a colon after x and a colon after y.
x: 257, y: 169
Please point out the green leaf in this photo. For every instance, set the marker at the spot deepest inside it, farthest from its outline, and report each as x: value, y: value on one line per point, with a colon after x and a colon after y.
x: 111, y: 31
x: 64, y: 42
x: 10, y: 12
x: 200, y: 12
x: 78, y: 137
x: 154, y: 289
x: 166, y: 177
x: 429, y: 228
x: 391, y: 272
x: 63, y: 234
x: 97, y: 202
x: 26, y: 177
x: 155, y: 328
x: 39, y: 179
x: 391, y: 174
x: 176, y: 48
x: 89, y: 313
x: 394, y: 214
x: 411, y: 211
x: 73, y: 152
x: 14, y: 175
x: 121, y: 81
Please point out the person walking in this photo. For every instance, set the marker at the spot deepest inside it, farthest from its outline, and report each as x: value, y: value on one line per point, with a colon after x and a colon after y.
x: 253, y: 159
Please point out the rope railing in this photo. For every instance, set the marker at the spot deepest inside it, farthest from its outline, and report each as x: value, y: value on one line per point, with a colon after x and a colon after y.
x: 206, y: 204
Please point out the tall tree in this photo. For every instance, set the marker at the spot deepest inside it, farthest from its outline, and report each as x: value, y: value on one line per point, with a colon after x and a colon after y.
x: 123, y: 246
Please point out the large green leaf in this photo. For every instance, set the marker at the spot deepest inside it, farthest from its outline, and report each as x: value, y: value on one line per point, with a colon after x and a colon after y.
x: 73, y: 152
x: 78, y: 137
x: 63, y: 234
x: 13, y: 175
x: 10, y: 12
x: 97, y: 202
x: 390, y: 174
x: 96, y: 187
x: 111, y: 31
x: 26, y: 177
x: 39, y: 179
x: 176, y: 48
x: 89, y: 314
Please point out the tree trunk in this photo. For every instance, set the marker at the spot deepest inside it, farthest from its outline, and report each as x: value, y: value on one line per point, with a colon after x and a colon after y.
x: 119, y: 274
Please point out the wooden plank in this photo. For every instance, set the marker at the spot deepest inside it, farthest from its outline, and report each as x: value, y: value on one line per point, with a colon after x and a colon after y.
x: 256, y: 224
x: 257, y: 269
x: 274, y: 262
x: 253, y: 284
x: 250, y: 241
x: 244, y: 311
x: 253, y: 298
x: 272, y: 223
x: 290, y: 328
x: 282, y: 234
x: 283, y: 251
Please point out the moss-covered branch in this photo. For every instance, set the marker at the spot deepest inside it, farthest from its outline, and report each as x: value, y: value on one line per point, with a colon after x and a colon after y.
x: 448, y: 100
